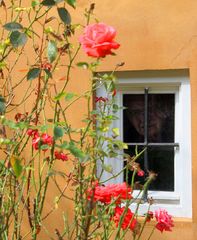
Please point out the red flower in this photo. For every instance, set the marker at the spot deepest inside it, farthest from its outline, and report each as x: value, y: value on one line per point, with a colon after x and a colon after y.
x: 98, y: 40
x: 149, y: 216
x: 101, y: 99
x: 127, y: 221
x: 106, y: 194
x: 60, y: 155
x: 164, y: 220
x: 46, y: 66
x: 46, y: 139
x: 38, y: 140
x: 32, y: 132
x: 140, y: 173
x: 21, y: 117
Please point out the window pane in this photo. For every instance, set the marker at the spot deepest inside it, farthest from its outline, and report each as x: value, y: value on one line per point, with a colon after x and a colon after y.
x: 160, y: 118
x: 161, y: 161
x: 133, y: 118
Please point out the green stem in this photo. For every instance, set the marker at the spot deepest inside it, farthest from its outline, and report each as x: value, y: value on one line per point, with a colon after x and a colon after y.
x: 151, y: 233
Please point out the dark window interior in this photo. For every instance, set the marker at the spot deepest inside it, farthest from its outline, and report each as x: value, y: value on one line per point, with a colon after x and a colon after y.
x: 148, y: 122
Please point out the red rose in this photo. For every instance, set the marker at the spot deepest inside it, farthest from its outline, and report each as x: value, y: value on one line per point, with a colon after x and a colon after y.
x: 38, y: 140
x: 98, y: 40
x: 106, y: 194
x: 128, y: 221
x: 61, y: 156
x: 46, y: 139
x: 164, y: 220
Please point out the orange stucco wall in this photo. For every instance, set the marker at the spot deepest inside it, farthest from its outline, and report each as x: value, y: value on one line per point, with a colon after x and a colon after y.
x: 158, y: 35
x: 154, y: 34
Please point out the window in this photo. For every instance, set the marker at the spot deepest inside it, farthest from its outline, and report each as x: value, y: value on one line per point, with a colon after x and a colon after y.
x: 157, y: 117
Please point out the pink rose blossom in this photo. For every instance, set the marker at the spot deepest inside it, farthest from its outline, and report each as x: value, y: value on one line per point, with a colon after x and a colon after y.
x: 164, y: 220
x: 98, y: 40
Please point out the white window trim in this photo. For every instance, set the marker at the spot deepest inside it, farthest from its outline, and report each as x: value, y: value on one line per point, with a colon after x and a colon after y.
x: 179, y: 202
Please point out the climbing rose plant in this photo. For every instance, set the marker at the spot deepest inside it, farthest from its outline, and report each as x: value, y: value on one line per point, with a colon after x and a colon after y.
x: 47, y: 161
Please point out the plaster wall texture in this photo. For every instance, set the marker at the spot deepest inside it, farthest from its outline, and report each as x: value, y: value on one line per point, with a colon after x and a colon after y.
x: 154, y: 35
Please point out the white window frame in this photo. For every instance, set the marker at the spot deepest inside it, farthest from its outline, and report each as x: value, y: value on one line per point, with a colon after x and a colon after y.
x: 179, y: 202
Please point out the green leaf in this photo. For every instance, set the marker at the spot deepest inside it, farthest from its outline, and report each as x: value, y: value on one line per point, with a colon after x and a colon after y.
x: 52, y: 51
x: 83, y: 65
x: 44, y: 128
x: 16, y: 165
x: 58, y: 132
x: 69, y: 96
x: 34, y: 3
x: 48, y: 3
x: 18, y: 39
x: 44, y: 147
x: 48, y: 73
x: 107, y: 168
x: 72, y: 3
x: 59, y: 96
x: 64, y: 15
x: 76, y: 151
x: 13, y: 26
x: 33, y: 73
x: 116, y: 132
x: 6, y: 141
x: 2, y: 105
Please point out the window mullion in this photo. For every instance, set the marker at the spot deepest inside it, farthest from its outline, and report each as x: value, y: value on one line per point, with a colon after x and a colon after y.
x: 146, y: 128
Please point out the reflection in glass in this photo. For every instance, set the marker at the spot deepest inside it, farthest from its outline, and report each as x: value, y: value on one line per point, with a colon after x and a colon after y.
x: 158, y: 157
x: 160, y: 118
x: 161, y: 161
x: 133, y: 118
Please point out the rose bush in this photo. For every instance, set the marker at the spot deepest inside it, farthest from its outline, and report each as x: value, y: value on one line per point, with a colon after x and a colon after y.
x: 34, y: 142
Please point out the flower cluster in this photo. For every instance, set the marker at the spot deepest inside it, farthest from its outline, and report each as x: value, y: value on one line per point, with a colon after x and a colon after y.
x: 164, y: 220
x: 106, y: 194
x: 39, y: 140
x: 128, y: 222
x: 117, y: 193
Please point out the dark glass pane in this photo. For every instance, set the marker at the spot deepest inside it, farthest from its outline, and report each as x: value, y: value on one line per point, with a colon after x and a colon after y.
x: 160, y: 161
x: 161, y: 118
x: 138, y: 180
x: 133, y: 118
